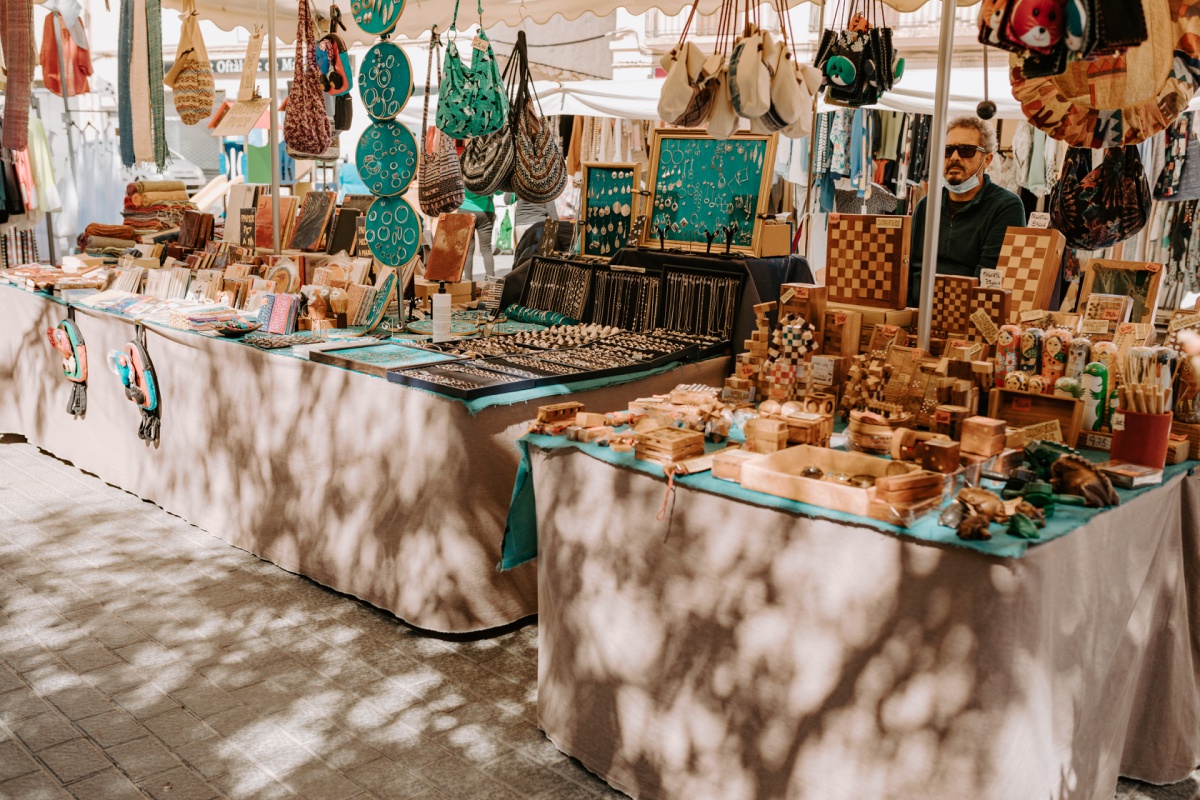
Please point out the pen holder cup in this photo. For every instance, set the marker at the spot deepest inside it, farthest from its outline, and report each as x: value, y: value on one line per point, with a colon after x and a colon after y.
x: 1142, y: 438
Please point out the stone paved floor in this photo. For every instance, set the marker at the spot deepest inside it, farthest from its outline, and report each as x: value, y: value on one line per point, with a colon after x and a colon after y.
x: 142, y: 657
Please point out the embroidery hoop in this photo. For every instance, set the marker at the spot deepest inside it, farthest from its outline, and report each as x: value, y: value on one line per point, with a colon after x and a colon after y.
x: 393, y: 231
x: 386, y: 155
x: 385, y: 80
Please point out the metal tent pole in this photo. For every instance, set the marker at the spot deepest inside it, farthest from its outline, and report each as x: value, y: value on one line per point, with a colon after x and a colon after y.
x: 933, y: 202
x: 273, y: 93
x: 62, y: 80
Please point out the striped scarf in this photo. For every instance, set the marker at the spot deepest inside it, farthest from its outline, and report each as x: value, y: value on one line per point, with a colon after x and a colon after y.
x: 154, y: 48
x: 16, y: 36
x: 124, y: 103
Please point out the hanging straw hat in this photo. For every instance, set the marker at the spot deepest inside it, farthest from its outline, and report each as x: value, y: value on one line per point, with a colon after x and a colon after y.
x: 1122, y: 99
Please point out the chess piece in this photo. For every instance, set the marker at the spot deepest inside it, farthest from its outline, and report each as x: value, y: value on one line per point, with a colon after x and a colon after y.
x: 1079, y: 356
x: 1054, y: 355
x: 1030, y: 356
x: 1006, y: 353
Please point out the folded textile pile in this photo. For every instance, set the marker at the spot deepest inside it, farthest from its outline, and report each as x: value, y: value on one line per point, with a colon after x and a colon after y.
x: 97, y: 238
x: 155, y: 205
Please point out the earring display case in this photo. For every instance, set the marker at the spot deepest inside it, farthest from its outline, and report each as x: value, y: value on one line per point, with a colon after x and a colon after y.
x: 610, y: 192
x: 702, y: 187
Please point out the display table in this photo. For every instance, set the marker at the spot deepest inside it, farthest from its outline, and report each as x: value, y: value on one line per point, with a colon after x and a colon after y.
x: 737, y: 651
x: 394, y: 495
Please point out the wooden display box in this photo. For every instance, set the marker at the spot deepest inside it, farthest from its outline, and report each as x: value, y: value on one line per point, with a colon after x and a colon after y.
x: 871, y: 317
x: 1192, y: 432
x: 805, y: 300
x: 779, y: 474
x: 459, y: 292
x: 1021, y: 409
x: 775, y: 240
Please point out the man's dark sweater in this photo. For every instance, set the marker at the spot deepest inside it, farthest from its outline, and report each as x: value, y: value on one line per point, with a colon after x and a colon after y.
x: 970, y: 236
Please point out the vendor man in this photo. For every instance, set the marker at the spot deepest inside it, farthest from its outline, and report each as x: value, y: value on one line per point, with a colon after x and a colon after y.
x: 975, y: 211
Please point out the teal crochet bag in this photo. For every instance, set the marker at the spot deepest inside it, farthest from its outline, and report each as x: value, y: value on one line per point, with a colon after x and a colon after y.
x: 472, y: 102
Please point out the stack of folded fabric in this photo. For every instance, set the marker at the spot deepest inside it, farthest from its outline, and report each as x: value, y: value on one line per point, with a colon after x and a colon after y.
x: 106, y: 240
x: 155, y: 205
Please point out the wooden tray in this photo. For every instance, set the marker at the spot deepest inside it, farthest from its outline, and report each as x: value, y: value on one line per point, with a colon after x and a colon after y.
x: 1022, y: 409
x: 779, y: 474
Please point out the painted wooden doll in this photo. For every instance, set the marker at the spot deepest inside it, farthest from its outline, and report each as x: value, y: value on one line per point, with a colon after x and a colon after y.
x: 1068, y: 387
x: 1006, y: 353
x: 1030, y: 357
x: 1079, y: 356
x: 1095, y: 397
x: 1054, y: 355
x: 1017, y: 381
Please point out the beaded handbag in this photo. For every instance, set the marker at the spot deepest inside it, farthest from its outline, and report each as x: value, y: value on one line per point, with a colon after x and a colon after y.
x: 439, y: 178
x: 541, y: 172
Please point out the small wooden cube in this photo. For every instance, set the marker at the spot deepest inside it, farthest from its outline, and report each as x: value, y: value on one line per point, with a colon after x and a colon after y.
x: 727, y: 464
x: 590, y: 419
x: 559, y: 412
x: 984, y: 426
x: 1177, y: 451
x: 939, y: 456
x: 987, y: 446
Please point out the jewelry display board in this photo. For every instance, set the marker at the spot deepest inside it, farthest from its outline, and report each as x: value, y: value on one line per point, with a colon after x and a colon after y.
x: 610, y: 194
x: 626, y: 297
x: 558, y: 285
x: 700, y: 186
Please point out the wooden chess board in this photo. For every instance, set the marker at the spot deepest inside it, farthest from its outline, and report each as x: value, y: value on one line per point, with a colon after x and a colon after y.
x: 867, y: 260
x: 952, y: 310
x: 996, y: 303
x: 1030, y: 260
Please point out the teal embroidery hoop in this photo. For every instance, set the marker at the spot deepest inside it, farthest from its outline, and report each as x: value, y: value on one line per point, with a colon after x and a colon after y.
x: 377, y: 17
x: 393, y: 231
x: 386, y: 157
x: 385, y: 80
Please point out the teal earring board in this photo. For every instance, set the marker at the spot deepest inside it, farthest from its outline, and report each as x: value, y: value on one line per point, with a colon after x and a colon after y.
x: 385, y: 80
x: 393, y: 231
x: 377, y: 17
x: 699, y: 184
x: 386, y: 157
x: 610, y: 203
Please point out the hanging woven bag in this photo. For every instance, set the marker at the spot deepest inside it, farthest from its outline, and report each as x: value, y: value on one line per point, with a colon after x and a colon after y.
x: 439, y: 180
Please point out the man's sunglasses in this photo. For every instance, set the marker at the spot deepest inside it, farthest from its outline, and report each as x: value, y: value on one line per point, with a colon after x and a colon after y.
x: 965, y: 151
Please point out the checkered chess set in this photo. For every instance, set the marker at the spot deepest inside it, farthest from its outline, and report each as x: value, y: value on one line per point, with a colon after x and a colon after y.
x: 868, y: 259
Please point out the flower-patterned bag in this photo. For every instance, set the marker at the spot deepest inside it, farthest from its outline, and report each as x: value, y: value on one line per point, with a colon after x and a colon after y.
x: 472, y: 101
x: 306, y: 128
x: 1097, y: 208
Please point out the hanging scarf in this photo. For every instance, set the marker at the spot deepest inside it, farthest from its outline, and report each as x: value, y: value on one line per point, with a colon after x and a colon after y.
x: 16, y: 34
x: 154, y: 48
x: 139, y: 78
x: 124, y: 99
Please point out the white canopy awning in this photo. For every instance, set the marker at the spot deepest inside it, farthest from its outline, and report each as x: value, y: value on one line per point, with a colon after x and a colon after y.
x: 421, y: 15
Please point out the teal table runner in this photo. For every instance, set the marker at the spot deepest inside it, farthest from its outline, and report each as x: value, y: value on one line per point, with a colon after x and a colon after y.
x: 520, y: 532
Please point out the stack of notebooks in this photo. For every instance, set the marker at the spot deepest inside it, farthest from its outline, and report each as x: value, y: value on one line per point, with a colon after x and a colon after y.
x: 362, y: 298
x: 168, y: 284
x: 263, y: 228
x: 311, y: 227
x: 279, y: 313
x: 196, y: 229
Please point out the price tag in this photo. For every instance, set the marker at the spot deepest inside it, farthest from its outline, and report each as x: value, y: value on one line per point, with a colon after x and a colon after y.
x: 822, y: 371
x: 1110, y: 314
x: 941, y: 417
x: 1179, y: 323
x: 479, y: 43
x: 786, y: 296
x: 889, y: 222
x: 1033, y: 315
x: 1050, y: 431
x: 1118, y: 422
x: 246, y: 227
x: 1094, y: 326
x: 986, y: 326
x: 1153, y: 268
x: 1127, y: 329
x: 991, y: 279
x: 1096, y: 441
x: 1039, y: 219
x: 802, y: 294
x: 1022, y: 404
x: 839, y: 319
x: 250, y: 67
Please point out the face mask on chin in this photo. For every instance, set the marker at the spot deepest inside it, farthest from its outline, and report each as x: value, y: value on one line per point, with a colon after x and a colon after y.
x: 967, y: 186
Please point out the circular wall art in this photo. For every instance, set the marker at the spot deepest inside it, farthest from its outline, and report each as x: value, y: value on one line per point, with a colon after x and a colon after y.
x: 385, y: 81
x: 393, y: 231
x: 377, y: 17
x: 387, y: 158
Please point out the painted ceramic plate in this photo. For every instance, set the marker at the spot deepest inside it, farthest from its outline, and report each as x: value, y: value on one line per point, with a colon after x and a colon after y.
x: 393, y: 231
x: 385, y: 82
x: 387, y: 158
x: 377, y: 17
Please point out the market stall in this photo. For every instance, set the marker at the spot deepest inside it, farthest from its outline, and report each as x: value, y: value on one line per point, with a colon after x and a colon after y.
x: 734, y: 650
x: 393, y: 495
